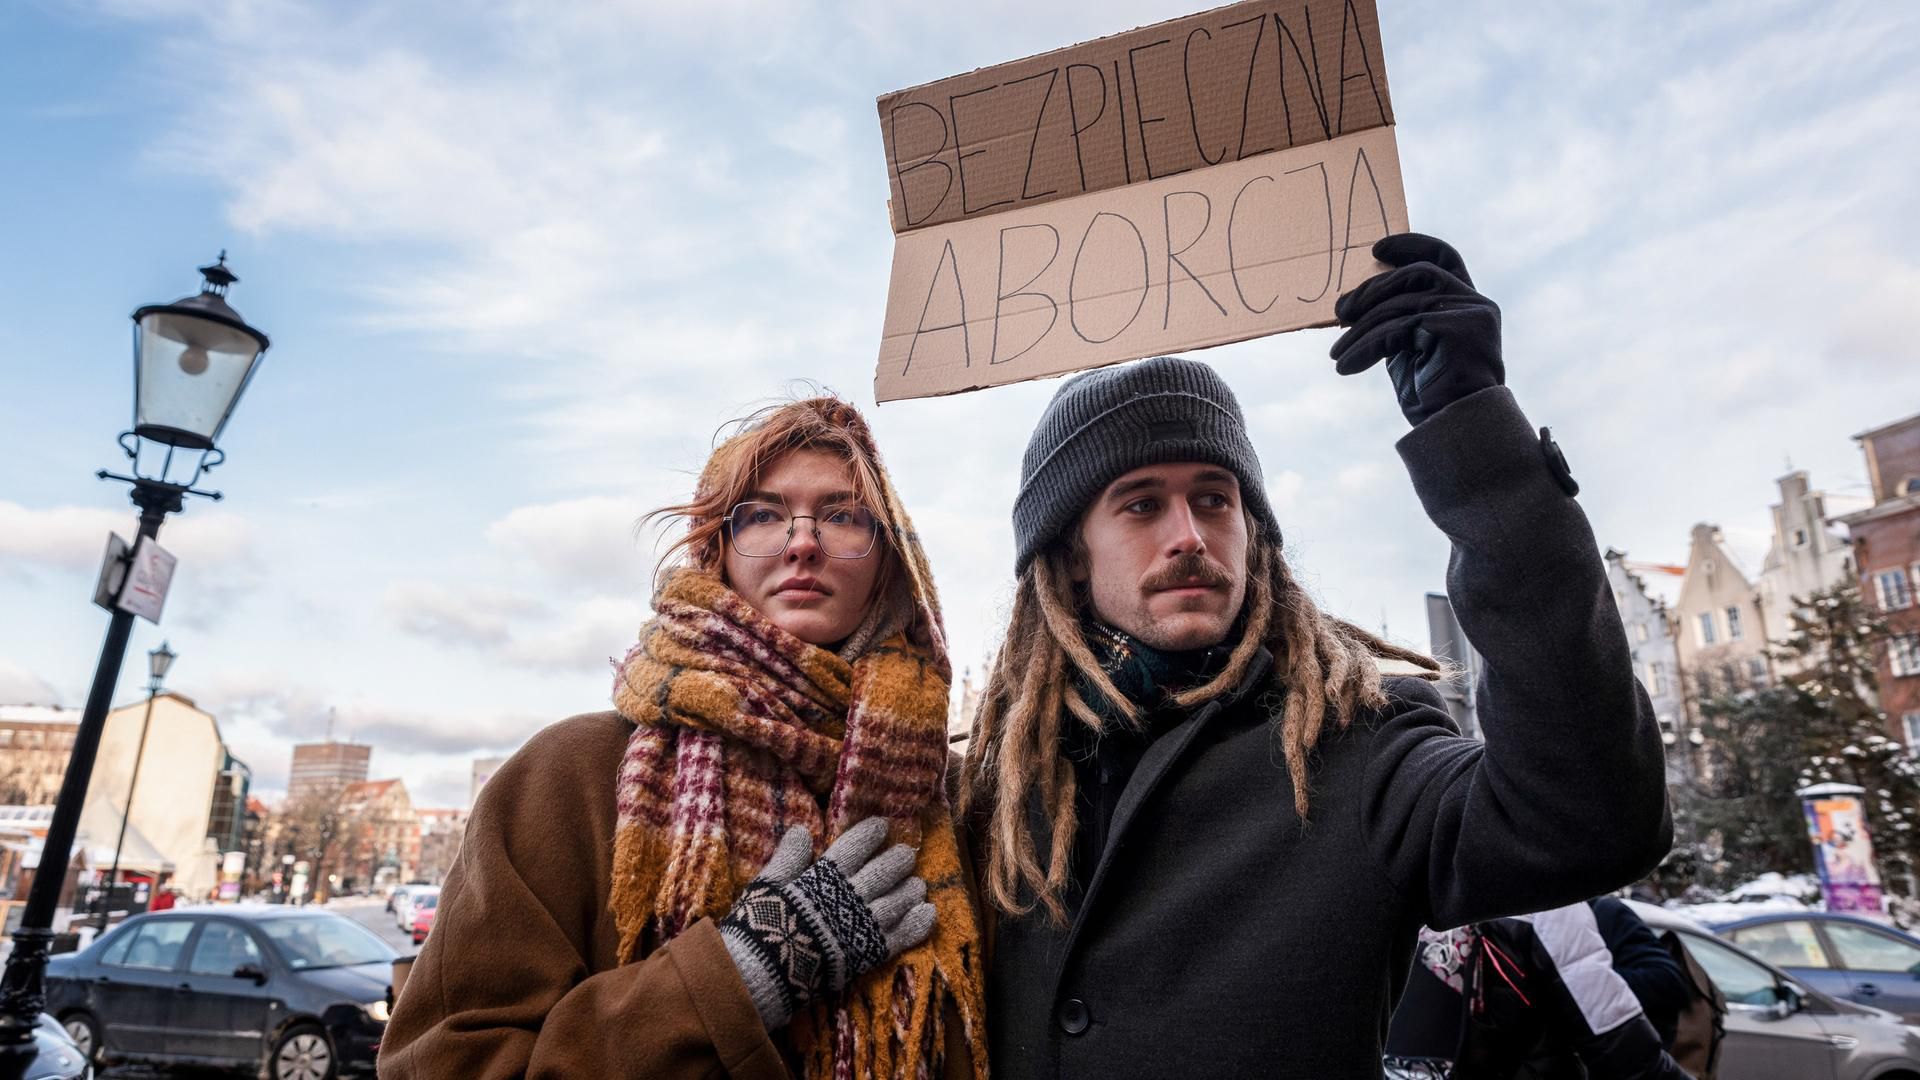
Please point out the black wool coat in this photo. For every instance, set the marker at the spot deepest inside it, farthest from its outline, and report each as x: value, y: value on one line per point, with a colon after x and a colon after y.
x: 1219, y: 935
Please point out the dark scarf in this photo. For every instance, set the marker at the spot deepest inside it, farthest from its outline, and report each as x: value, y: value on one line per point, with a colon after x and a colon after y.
x: 1104, y: 760
x: 1145, y: 675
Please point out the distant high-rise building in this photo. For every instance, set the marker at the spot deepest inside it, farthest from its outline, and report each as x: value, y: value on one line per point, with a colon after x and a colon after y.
x: 483, y: 770
x: 323, y: 768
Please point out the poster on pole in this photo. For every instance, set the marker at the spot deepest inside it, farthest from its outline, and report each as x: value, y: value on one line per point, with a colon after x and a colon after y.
x: 1843, y: 850
x: 1201, y: 181
x: 113, y: 572
x: 148, y: 579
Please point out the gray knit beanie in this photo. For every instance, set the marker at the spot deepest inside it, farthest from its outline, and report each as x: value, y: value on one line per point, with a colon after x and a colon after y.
x: 1105, y: 423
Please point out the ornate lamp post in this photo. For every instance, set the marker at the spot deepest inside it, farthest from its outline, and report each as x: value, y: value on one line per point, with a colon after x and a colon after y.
x: 158, y: 661
x: 192, y: 359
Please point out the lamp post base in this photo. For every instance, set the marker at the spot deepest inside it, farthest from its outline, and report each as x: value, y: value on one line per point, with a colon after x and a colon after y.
x: 23, y: 992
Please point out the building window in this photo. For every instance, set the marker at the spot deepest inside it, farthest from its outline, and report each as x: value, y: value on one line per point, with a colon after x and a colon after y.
x: 1702, y: 685
x: 1894, y: 590
x: 1799, y: 538
x: 1640, y: 630
x: 1706, y: 628
x: 1904, y: 651
x: 1911, y: 722
x: 1757, y: 672
x: 1733, y: 624
x: 1730, y: 678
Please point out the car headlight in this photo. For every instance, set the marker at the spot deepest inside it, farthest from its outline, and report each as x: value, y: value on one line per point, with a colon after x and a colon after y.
x: 376, y: 1011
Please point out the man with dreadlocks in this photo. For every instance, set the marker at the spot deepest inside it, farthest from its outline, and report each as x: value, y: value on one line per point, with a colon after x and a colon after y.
x: 1209, y: 829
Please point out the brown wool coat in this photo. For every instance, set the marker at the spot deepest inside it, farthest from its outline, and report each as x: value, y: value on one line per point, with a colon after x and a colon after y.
x: 518, y: 978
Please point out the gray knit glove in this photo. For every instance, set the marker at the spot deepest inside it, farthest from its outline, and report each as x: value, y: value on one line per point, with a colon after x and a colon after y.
x: 797, y: 932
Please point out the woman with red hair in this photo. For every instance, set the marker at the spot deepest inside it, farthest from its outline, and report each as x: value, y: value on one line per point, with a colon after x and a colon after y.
x: 749, y: 866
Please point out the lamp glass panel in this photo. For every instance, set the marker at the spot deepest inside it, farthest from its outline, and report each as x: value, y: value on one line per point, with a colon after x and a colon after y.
x: 190, y: 371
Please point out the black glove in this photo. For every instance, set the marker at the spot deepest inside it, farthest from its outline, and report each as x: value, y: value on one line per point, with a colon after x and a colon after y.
x: 1441, y: 339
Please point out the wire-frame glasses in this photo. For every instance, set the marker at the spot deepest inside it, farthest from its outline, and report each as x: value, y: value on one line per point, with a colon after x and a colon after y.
x: 762, y: 530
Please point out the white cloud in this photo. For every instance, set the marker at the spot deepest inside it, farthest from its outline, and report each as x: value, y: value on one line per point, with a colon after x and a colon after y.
x: 472, y: 615
x: 616, y: 225
x: 73, y: 538
x: 593, y: 541
x: 19, y: 686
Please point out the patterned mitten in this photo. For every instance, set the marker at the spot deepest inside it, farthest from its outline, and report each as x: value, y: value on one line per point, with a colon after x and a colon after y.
x: 798, y: 932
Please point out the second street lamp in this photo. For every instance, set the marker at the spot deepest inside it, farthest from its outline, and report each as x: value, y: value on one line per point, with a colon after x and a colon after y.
x: 158, y: 661
x: 192, y: 359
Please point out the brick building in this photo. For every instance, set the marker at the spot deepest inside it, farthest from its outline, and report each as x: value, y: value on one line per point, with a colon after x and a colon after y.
x: 441, y: 831
x: 1886, y: 548
x: 35, y: 742
x: 383, y: 838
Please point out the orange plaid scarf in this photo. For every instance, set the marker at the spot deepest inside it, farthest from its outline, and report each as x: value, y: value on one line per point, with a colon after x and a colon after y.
x: 742, y: 730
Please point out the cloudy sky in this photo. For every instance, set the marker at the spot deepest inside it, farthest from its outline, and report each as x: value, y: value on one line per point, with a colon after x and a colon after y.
x: 520, y: 262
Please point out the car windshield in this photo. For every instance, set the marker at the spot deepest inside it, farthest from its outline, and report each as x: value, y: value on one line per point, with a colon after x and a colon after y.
x: 428, y: 902
x: 324, y: 941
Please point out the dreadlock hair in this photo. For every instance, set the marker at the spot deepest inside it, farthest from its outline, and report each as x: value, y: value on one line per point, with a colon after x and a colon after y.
x: 1326, y: 668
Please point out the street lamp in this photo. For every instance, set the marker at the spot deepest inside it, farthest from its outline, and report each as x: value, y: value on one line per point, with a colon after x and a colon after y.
x: 158, y: 661
x: 191, y: 361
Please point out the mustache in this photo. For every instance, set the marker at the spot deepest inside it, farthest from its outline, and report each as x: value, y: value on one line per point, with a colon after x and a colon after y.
x: 1186, y: 570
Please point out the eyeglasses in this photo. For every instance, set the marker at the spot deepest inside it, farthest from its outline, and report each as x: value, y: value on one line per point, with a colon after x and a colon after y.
x: 761, y: 530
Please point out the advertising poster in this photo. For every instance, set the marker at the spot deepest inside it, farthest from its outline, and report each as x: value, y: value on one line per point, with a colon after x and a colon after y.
x: 1843, y: 853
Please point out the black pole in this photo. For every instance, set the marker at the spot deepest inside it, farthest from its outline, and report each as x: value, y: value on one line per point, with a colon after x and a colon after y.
x: 113, y: 875
x: 23, y: 990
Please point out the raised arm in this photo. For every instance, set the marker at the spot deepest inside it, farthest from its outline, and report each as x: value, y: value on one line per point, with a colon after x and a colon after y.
x: 1566, y: 797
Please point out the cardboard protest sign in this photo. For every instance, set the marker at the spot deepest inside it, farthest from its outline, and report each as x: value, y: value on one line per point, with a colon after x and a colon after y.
x: 1206, y: 180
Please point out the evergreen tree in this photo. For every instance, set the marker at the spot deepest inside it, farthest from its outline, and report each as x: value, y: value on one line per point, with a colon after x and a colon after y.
x: 1742, y: 816
x: 1832, y: 658
x: 1821, y: 724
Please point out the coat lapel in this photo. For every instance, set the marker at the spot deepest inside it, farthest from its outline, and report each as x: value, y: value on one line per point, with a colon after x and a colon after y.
x: 1159, y: 760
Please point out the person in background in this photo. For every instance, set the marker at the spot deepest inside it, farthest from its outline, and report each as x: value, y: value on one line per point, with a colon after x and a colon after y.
x: 750, y: 867
x: 1649, y: 969
x: 1533, y: 997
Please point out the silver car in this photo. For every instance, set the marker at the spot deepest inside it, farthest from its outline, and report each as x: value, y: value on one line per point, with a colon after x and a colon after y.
x: 1779, y: 1029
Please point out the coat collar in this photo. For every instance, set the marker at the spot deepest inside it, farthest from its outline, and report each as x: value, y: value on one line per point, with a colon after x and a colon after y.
x: 1153, y: 768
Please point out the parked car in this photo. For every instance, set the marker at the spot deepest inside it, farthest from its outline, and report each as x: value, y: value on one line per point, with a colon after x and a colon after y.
x: 395, y: 893
x: 403, y: 907
x: 1779, y: 1028
x: 1846, y: 956
x: 287, y: 993
x: 423, y: 916
x: 50, y: 1055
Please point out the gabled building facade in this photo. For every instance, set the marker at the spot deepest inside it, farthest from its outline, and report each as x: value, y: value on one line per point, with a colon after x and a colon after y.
x: 1807, y: 556
x: 1718, y: 630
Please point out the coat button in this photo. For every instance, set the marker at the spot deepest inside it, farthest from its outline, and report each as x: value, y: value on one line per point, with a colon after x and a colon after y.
x: 1074, y: 1016
x: 1557, y: 463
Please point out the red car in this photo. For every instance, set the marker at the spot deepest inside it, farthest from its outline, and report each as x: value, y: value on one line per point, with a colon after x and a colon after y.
x: 423, y: 909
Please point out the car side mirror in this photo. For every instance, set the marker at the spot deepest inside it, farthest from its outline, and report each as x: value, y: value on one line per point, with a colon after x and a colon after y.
x: 251, y: 971
x: 1790, y: 1001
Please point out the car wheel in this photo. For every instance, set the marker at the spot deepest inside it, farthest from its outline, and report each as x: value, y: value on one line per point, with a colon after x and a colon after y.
x: 84, y: 1030
x: 302, y: 1052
